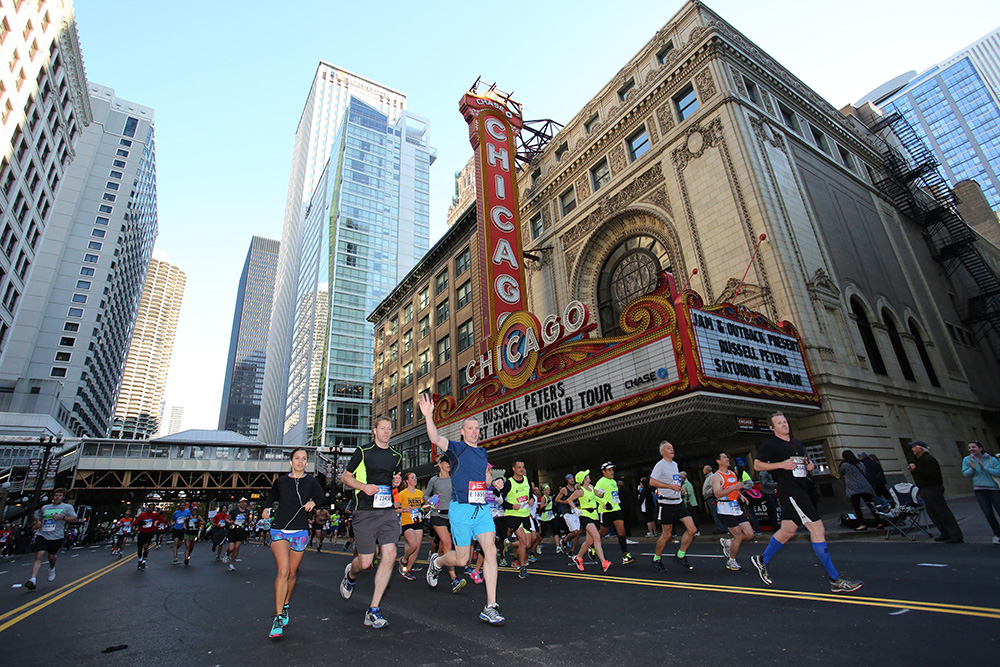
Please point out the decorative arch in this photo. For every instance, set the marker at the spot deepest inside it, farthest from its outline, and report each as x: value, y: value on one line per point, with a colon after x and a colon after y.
x: 861, y: 314
x: 925, y: 359
x: 889, y: 320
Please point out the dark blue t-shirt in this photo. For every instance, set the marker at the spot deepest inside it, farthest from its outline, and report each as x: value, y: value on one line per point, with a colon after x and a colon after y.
x: 179, y: 517
x: 468, y: 464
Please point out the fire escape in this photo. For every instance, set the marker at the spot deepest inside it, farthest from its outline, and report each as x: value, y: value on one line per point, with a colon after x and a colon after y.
x: 916, y: 187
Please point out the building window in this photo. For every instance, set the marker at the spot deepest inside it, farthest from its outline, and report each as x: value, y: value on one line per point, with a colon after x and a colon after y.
x: 407, y: 412
x: 441, y: 283
x: 393, y: 325
x: 922, y: 352
x: 444, y: 350
x: 75, y: 312
x: 661, y: 55
x: 67, y: 341
x: 463, y: 262
x: 442, y: 312
x: 536, y: 226
x: 424, y: 298
x: 64, y: 357
x: 820, y: 139
x: 463, y: 294
x: 424, y: 363
x: 393, y: 352
x: 567, y: 201
x: 638, y: 144
x: 897, y: 346
x: 107, y: 196
x: 407, y: 373
x: 101, y: 220
x: 630, y: 271
x: 444, y: 387
x: 789, y: 119
x: 83, y: 284
x: 868, y: 337
x: 122, y: 152
x: 407, y: 313
x: 57, y: 372
x: 589, y: 124
x: 392, y: 417
x: 393, y: 383
x: 95, y: 245
x: 99, y: 233
x: 425, y: 326
x: 846, y: 158
x: 407, y: 340
x: 71, y: 326
x: 600, y: 174
x: 79, y: 298
x: 92, y: 259
x: 466, y: 335
x: 752, y: 91
x: 130, y: 126
x: 686, y: 102
x: 626, y: 89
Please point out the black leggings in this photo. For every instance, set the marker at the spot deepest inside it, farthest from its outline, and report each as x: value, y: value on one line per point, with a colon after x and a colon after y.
x: 856, y: 503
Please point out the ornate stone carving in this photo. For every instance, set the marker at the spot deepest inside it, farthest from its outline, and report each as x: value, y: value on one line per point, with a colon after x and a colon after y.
x: 767, y: 102
x: 660, y: 198
x: 582, y: 187
x: 705, y: 84
x: 616, y: 202
x: 666, y: 118
x: 617, y: 159
x: 738, y: 78
x: 821, y: 285
x: 749, y: 294
x: 654, y: 137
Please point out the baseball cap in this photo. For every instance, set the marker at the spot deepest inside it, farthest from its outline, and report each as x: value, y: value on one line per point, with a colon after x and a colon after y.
x: 920, y: 443
x: 607, y: 465
x: 580, y: 476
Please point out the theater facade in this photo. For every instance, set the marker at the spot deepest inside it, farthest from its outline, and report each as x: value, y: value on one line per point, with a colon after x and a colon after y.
x: 707, y: 242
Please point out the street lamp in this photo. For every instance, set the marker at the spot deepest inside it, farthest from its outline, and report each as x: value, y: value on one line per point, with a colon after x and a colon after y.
x: 48, y: 442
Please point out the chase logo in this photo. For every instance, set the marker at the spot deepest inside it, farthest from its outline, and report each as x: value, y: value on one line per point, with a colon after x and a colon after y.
x: 661, y: 373
x: 646, y: 378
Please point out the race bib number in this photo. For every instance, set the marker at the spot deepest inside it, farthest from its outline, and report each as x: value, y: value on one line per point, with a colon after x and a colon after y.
x: 800, y: 467
x: 48, y: 525
x: 148, y: 523
x: 729, y: 508
x: 614, y: 497
x: 414, y: 515
x: 522, y: 502
x: 382, y: 498
x: 240, y: 520
x: 477, y: 493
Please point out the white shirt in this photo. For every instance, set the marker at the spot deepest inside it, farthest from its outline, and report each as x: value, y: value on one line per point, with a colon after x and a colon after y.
x: 667, y: 472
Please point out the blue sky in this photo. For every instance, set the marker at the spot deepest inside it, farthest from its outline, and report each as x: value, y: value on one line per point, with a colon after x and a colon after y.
x: 228, y: 81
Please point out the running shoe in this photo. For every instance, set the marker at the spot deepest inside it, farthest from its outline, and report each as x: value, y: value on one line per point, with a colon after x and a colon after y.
x: 845, y: 585
x: 491, y: 614
x: 683, y: 562
x: 559, y: 547
x: 187, y: 562
x: 758, y: 562
x: 457, y: 584
x: 726, y: 545
x: 284, y: 616
x: 407, y: 575
x: 532, y: 559
x: 578, y: 562
x: 138, y: 564
x: 433, y: 571
x: 30, y: 585
x: 627, y: 559
x: 346, y: 585
x: 175, y: 561
x: 231, y: 568
x: 731, y: 564
x: 52, y: 574
x: 522, y: 572
x: 374, y: 618
x: 658, y: 564
x: 605, y: 565
x: 503, y: 562
x: 474, y: 575
x: 401, y: 568
x: 276, y: 628
x: 225, y: 559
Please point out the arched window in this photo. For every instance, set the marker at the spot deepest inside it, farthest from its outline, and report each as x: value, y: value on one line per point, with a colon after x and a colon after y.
x: 868, y: 337
x: 925, y: 358
x: 897, y: 346
x: 628, y: 273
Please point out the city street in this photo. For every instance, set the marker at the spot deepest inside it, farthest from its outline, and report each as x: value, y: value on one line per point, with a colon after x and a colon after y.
x: 918, y: 600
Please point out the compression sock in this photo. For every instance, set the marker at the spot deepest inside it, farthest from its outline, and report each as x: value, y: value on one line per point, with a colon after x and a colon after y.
x: 772, y: 548
x: 623, y: 544
x: 680, y: 554
x: 823, y: 553
x: 656, y: 558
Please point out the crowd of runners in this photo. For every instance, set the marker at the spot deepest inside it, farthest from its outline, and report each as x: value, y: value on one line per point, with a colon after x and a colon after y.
x: 478, y: 519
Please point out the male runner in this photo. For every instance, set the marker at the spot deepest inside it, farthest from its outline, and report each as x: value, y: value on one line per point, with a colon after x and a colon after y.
x: 123, y: 529
x: 373, y: 472
x: 666, y: 479
x: 785, y: 458
x: 571, y: 520
x: 468, y: 514
x: 50, y: 529
x: 161, y: 527
x: 219, y: 532
x: 236, y: 526
x: 609, y: 506
x: 516, y: 491
x: 146, y: 522
x: 321, y: 523
x: 177, y: 530
x: 727, y: 487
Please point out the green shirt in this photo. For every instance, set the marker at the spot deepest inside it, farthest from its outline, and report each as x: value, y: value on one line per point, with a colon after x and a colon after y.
x: 609, y: 502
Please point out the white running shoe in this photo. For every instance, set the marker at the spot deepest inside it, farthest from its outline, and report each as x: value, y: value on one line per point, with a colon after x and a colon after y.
x: 52, y: 574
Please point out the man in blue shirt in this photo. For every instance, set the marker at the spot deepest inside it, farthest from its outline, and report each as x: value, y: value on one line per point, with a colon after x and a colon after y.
x: 468, y: 514
x: 177, y: 528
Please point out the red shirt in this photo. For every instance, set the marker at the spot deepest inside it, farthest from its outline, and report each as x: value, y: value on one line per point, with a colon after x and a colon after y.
x: 146, y: 522
x: 219, y: 519
x: 5, y: 535
x: 160, y: 522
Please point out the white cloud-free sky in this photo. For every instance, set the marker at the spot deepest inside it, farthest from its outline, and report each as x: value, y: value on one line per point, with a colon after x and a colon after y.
x: 228, y: 81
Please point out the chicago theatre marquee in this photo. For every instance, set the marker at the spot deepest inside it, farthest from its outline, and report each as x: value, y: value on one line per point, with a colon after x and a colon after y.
x: 705, y: 243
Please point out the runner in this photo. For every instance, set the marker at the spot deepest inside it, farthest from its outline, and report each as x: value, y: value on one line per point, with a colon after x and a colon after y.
x: 321, y: 524
x: 666, y: 479
x: 438, y: 495
x: 468, y: 516
x: 516, y: 494
x: 373, y: 472
x: 161, y: 527
x: 6, y: 539
x: 179, y: 517
x: 123, y: 529
x: 236, y: 525
x: 297, y: 494
x: 146, y: 526
x: 785, y: 458
x: 334, y: 524
x: 411, y: 499
x: 611, y: 509
x: 571, y: 520
x: 586, y: 496
x: 193, y: 525
x: 728, y: 491
x: 219, y: 533
x: 50, y: 529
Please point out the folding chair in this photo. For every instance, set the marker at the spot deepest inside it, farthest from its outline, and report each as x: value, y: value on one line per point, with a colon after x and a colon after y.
x: 902, y: 512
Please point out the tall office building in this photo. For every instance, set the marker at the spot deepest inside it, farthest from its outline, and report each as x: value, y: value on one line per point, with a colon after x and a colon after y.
x: 329, y: 95
x: 955, y: 107
x: 241, y: 390
x: 175, y: 423
x: 79, y: 307
x: 140, y: 401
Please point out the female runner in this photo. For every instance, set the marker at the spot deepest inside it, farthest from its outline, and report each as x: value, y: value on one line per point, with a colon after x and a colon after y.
x: 589, y: 522
x: 411, y: 499
x: 297, y: 494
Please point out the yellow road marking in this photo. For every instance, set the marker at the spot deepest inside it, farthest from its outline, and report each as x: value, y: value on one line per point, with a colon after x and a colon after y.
x: 40, y: 603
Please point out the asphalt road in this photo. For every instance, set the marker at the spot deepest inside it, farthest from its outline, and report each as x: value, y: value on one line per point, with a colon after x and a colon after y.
x: 923, y: 603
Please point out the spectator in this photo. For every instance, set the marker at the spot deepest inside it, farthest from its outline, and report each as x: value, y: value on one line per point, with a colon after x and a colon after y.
x: 984, y: 469
x: 875, y: 474
x: 647, y: 505
x: 687, y: 493
x: 927, y: 476
x: 857, y: 486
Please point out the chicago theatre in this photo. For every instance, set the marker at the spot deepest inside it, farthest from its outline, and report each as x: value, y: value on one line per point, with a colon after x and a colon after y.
x: 706, y: 242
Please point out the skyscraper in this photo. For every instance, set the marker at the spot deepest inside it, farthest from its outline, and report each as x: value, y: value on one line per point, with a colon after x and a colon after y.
x: 955, y: 107
x: 144, y: 382
x: 79, y: 307
x: 327, y: 101
x: 241, y: 391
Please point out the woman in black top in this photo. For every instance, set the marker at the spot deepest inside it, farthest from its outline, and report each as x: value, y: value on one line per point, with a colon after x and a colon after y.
x: 297, y: 494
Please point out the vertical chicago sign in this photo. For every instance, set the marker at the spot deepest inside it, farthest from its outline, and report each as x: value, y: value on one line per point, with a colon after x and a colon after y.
x: 494, y: 123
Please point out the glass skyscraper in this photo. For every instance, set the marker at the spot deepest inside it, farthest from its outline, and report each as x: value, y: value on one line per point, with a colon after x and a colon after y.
x: 955, y: 107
